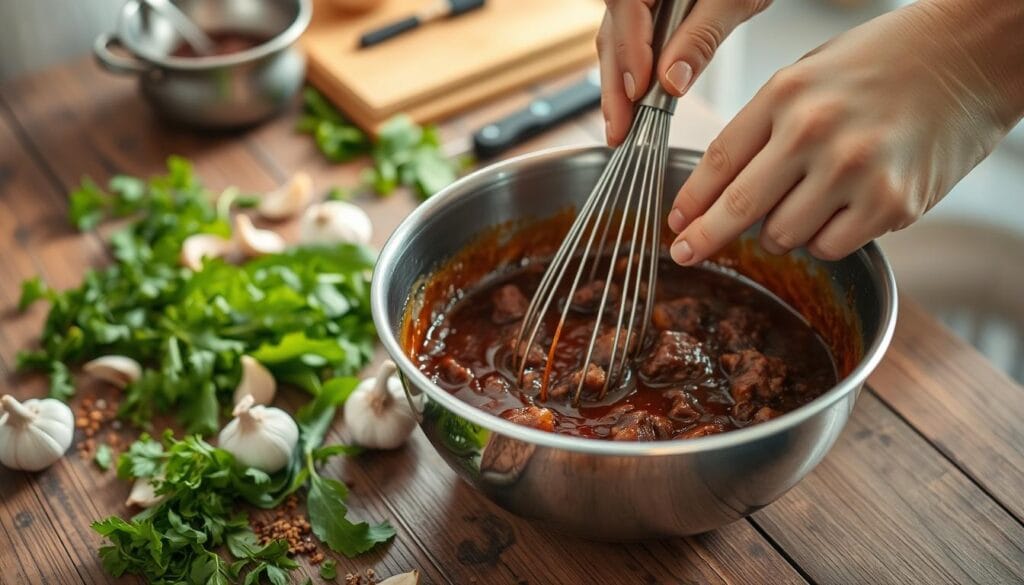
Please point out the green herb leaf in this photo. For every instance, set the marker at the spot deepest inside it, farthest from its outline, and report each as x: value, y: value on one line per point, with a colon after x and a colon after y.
x: 326, y: 505
x: 329, y: 570
x: 104, y: 456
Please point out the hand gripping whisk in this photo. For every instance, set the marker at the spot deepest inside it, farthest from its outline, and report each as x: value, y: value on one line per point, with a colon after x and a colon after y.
x: 622, y: 214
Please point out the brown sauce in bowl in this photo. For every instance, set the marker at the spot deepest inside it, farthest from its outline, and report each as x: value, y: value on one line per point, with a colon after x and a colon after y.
x: 721, y: 353
x: 224, y: 43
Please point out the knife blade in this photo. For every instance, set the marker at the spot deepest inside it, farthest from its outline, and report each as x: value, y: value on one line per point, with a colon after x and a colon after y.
x: 539, y: 115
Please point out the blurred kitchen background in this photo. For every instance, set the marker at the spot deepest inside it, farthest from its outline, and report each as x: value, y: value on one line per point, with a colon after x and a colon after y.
x: 964, y: 261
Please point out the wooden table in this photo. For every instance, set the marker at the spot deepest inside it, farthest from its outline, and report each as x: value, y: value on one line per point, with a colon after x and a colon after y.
x: 926, y: 484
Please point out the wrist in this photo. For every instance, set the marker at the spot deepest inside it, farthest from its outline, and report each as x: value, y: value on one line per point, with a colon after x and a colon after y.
x: 984, y: 42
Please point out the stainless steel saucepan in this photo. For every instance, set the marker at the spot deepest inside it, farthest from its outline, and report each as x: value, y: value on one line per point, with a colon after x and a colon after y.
x: 606, y: 489
x: 218, y: 91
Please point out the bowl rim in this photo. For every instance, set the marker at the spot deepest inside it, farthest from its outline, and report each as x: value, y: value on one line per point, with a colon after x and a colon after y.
x: 870, y: 254
x: 274, y: 44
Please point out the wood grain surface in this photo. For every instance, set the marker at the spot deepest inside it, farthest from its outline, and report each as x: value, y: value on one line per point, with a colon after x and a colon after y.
x: 924, y: 485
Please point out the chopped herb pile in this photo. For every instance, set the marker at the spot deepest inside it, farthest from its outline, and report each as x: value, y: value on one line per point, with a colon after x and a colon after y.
x: 404, y: 154
x: 304, y: 313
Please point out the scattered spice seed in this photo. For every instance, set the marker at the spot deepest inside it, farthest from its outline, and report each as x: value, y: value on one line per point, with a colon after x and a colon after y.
x: 290, y: 527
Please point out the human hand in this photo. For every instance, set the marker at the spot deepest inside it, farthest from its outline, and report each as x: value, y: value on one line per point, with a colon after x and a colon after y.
x: 624, y: 49
x: 861, y: 136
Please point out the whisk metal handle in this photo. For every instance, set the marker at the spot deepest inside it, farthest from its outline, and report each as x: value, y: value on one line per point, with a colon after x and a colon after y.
x: 670, y: 13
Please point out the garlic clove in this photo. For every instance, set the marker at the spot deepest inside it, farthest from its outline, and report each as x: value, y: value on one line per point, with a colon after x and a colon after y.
x: 259, y: 436
x: 34, y: 434
x: 256, y: 381
x: 254, y: 241
x: 410, y: 578
x: 335, y: 222
x: 143, y: 494
x: 288, y: 199
x: 377, y: 414
x: 117, y: 370
x: 199, y: 246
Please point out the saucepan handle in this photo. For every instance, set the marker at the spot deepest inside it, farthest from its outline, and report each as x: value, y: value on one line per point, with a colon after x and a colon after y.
x: 113, y: 62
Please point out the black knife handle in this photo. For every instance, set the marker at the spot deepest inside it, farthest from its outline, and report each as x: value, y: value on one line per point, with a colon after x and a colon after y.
x: 540, y: 115
x: 388, y: 31
x: 462, y: 6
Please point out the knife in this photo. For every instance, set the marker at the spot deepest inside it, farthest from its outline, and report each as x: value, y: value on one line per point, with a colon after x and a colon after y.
x: 540, y: 115
x: 443, y: 9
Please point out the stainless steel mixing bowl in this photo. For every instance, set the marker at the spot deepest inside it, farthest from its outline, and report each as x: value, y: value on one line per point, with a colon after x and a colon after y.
x: 221, y: 91
x: 605, y: 489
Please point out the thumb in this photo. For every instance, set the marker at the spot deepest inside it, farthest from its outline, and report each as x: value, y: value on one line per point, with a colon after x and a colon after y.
x: 687, y: 53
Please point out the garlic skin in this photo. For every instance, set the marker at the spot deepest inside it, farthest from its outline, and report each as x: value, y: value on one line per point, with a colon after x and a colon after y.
x: 256, y: 381
x: 259, y: 436
x: 410, y: 578
x: 254, y: 241
x: 143, y: 494
x: 199, y: 246
x: 34, y: 434
x: 116, y: 370
x: 335, y: 222
x: 377, y: 414
x: 289, y: 199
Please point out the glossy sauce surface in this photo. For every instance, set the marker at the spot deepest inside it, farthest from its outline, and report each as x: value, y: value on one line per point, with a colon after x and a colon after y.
x: 721, y: 353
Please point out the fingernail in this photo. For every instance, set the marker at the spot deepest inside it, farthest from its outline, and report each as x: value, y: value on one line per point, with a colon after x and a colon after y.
x: 630, y: 84
x: 681, y: 252
x: 676, y: 220
x: 679, y: 75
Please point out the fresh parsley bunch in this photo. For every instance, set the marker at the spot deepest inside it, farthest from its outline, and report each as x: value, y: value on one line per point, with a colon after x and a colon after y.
x: 404, y: 152
x: 303, y: 313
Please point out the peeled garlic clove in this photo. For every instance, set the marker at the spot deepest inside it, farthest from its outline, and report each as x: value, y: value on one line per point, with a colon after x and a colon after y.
x: 199, y: 246
x: 143, y: 494
x: 410, y: 578
x: 335, y: 222
x: 256, y: 381
x: 117, y: 370
x: 289, y: 199
x: 263, y: 437
x: 34, y: 434
x: 254, y: 241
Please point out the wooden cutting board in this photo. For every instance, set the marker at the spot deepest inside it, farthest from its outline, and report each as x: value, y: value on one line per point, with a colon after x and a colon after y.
x: 445, y: 66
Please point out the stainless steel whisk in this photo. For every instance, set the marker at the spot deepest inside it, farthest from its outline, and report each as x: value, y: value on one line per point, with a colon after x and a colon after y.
x: 629, y: 191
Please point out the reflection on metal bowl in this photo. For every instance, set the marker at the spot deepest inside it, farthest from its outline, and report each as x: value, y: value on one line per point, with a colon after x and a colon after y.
x: 605, y: 489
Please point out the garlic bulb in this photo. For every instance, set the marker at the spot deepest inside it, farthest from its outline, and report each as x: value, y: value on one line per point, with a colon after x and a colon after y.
x: 377, y: 414
x: 256, y: 381
x: 117, y: 370
x: 199, y: 246
x: 34, y: 434
x: 254, y: 241
x: 263, y: 437
x: 288, y: 199
x: 335, y: 222
x: 410, y: 578
x: 143, y: 494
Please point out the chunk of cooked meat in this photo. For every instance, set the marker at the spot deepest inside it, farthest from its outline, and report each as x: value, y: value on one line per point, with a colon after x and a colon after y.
x: 640, y: 425
x: 604, y: 342
x: 675, y: 357
x: 535, y: 356
x: 531, y: 416
x: 754, y: 375
x: 765, y: 413
x: 743, y: 410
x: 683, y: 314
x: 587, y: 297
x: 494, y: 385
x: 593, y: 377
x: 740, y: 329
x: 509, y: 304
x: 702, y: 430
x: 453, y: 372
x: 682, y: 408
